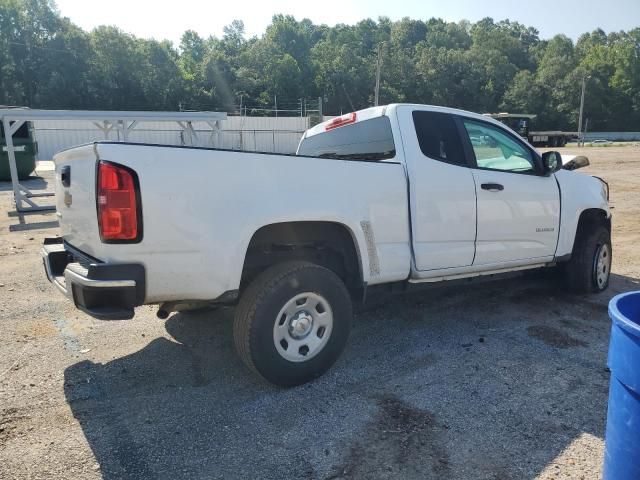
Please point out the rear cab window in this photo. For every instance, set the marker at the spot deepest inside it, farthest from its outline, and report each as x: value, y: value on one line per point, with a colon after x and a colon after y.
x: 370, y: 140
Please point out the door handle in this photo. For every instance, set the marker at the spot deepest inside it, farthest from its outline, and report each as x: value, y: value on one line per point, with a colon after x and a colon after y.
x: 492, y: 187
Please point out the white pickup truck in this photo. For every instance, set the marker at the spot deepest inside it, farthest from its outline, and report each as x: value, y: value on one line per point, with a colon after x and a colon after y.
x: 377, y: 199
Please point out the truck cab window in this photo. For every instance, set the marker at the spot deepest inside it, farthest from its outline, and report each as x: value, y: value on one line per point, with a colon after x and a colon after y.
x: 497, y: 150
x: 438, y: 137
x: 365, y: 140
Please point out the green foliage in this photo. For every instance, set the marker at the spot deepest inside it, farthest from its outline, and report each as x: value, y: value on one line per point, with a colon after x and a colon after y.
x: 48, y: 62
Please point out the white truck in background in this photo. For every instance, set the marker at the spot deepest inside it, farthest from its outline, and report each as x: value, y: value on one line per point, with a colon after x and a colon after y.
x: 376, y: 199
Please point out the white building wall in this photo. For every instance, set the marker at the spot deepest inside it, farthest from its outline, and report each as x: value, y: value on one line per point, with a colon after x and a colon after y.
x: 264, y: 134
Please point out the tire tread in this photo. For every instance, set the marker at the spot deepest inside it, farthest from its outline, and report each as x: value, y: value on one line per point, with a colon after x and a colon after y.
x: 260, y: 288
x: 578, y: 270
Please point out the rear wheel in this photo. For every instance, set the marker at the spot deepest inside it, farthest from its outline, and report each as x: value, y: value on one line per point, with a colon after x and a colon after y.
x: 589, y: 269
x: 292, y: 322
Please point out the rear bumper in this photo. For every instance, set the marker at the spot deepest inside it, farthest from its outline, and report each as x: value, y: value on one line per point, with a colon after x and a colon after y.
x: 103, y: 290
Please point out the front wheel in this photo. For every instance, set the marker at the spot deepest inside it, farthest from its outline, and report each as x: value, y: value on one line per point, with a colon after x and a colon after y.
x: 292, y: 322
x: 589, y: 269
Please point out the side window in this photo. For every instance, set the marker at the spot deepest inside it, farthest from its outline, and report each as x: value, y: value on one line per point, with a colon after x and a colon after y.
x: 496, y: 150
x: 438, y: 137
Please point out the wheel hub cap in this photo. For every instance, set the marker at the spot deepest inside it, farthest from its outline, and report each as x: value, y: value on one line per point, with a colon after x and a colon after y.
x: 300, y: 325
x: 602, y: 267
x: 303, y: 327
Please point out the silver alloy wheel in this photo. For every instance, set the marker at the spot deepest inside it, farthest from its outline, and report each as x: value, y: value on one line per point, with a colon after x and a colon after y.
x: 602, y: 265
x: 303, y: 327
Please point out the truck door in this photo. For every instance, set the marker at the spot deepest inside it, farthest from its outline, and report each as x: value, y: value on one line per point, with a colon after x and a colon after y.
x: 442, y: 193
x: 518, y: 207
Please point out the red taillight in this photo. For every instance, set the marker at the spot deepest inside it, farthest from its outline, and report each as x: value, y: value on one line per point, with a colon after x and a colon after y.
x: 341, y: 121
x: 118, y: 207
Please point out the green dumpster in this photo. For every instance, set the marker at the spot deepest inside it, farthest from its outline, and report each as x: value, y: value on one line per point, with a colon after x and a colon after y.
x: 26, y: 150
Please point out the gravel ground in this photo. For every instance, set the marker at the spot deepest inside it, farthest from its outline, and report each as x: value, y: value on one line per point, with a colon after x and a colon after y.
x: 502, y: 380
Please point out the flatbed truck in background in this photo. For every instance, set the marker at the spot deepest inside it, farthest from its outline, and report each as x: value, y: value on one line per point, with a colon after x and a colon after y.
x: 521, y: 122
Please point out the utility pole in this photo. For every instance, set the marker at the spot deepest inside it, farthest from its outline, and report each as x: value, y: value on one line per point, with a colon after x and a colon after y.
x: 378, y: 67
x: 586, y: 128
x: 584, y: 87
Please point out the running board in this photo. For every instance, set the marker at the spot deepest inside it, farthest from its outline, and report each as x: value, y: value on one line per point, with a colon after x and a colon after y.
x: 458, y: 276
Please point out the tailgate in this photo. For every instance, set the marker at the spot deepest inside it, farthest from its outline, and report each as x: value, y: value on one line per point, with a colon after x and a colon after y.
x: 75, y: 185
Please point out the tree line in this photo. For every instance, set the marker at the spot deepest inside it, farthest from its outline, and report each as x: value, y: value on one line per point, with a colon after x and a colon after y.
x: 48, y: 62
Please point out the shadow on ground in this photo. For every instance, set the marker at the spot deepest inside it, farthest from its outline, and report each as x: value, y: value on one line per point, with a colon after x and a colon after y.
x: 483, y: 381
x: 34, y: 182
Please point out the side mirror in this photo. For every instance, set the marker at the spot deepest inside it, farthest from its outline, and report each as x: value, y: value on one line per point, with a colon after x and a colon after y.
x: 551, y: 162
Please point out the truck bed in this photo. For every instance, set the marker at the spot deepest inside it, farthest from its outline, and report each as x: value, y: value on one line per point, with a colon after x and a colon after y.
x: 201, y: 207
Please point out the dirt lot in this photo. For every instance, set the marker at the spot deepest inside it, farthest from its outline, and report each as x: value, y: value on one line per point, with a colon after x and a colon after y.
x: 492, y: 381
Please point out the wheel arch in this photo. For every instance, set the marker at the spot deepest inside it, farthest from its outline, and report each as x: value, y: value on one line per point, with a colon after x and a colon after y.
x: 331, y: 244
x: 590, y: 218
x: 593, y: 216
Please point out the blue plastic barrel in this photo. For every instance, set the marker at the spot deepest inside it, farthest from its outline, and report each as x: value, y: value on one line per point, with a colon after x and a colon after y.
x: 622, y: 449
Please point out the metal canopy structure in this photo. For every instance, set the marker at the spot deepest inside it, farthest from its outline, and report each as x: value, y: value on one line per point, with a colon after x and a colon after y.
x: 106, y: 121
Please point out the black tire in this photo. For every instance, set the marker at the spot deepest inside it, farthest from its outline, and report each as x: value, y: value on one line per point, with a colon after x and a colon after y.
x: 581, y: 272
x: 258, y: 312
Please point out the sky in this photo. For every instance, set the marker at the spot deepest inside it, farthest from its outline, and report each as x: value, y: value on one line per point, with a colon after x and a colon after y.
x: 169, y: 19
